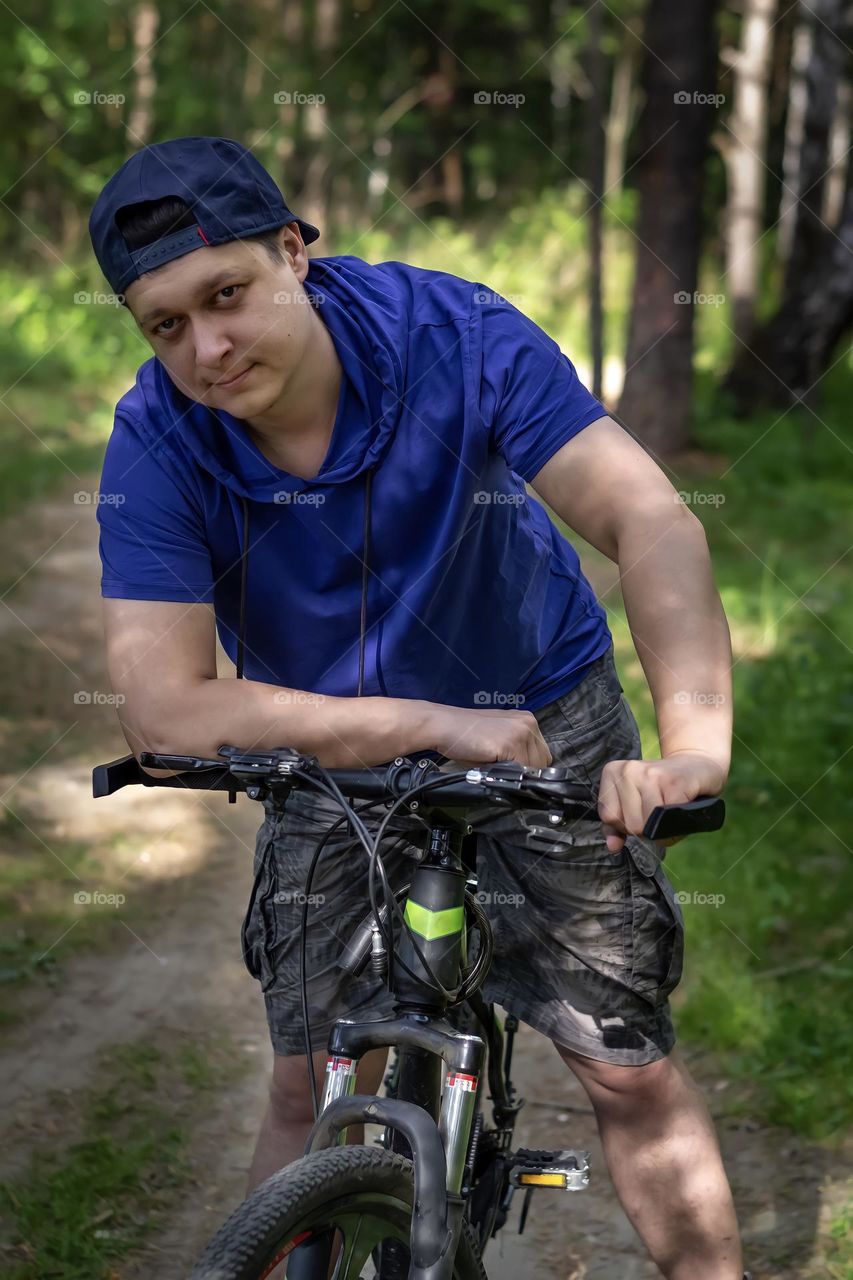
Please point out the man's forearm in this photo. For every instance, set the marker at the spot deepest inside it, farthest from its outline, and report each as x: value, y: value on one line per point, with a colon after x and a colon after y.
x: 341, y: 732
x: 680, y: 631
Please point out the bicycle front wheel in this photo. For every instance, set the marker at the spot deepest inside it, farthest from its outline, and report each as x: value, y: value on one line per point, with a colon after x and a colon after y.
x: 362, y: 1194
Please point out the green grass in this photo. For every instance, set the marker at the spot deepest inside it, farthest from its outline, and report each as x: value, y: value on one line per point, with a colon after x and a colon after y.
x: 38, y: 905
x: 839, y: 1248
x: 64, y: 364
x: 80, y: 1210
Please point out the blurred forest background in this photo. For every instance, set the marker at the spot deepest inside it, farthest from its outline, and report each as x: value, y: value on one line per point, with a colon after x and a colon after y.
x: 666, y: 187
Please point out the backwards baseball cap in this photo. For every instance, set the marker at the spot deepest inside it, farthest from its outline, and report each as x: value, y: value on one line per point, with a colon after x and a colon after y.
x: 228, y: 191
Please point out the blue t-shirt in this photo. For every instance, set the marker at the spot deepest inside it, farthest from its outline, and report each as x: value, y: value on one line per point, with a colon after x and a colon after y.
x: 451, y: 398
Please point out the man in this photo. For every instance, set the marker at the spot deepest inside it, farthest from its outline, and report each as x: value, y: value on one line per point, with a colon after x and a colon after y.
x: 325, y: 461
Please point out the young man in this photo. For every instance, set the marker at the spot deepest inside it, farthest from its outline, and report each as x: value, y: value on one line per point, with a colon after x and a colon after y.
x: 325, y: 462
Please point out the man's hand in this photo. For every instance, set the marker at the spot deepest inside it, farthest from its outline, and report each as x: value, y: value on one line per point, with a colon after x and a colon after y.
x: 483, y: 737
x: 630, y: 789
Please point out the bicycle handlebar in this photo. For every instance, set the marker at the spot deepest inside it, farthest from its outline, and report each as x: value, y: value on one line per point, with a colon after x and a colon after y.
x: 261, y: 773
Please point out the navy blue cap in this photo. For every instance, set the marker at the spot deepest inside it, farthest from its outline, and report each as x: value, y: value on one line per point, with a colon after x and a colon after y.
x: 228, y: 190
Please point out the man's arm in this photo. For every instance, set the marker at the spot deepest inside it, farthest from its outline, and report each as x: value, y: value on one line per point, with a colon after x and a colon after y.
x: 161, y: 658
x: 607, y: 488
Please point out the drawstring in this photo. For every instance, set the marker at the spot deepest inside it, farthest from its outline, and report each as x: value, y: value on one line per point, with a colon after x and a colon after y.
x: 364, y: 579
x: 244, y: 573
x: 241, y: 634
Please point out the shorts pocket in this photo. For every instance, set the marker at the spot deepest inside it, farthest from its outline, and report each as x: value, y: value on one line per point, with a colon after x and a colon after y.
x: 586, y: 750
x: 257, y: 935
x: 656, y: 941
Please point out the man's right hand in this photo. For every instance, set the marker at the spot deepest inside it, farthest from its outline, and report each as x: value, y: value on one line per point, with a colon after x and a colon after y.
x: 482, y: 736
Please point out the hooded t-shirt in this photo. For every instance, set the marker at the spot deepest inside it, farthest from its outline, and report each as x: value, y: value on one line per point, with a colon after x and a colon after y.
x: 415, y: 564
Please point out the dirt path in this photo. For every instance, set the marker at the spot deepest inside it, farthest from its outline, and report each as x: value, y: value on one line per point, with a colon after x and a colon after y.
x: 188, y: 859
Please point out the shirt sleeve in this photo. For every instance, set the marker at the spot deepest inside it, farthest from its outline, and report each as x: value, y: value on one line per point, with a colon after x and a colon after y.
x: 152, y: 541
x: 531, y: 397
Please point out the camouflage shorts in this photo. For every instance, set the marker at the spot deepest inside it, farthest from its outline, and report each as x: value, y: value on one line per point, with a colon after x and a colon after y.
x: 588, y: 944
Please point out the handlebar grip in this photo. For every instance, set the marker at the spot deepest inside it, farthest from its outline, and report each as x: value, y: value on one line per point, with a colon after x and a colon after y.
x: 668, y: 821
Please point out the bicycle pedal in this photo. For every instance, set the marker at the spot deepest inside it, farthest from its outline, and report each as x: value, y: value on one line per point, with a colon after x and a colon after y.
x: 562, y: 1170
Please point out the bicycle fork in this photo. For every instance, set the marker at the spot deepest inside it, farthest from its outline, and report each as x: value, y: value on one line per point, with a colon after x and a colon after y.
x: 439, y: 1143
x: 439, y: 1150
x: 456, y: 1114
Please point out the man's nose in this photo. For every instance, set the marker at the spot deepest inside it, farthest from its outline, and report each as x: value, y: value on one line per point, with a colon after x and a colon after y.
x: 212, y: 345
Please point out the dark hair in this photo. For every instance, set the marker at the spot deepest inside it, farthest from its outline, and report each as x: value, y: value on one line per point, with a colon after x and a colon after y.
x: 141, y: 224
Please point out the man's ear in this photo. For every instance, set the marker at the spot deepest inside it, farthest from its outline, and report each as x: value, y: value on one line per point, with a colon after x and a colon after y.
x: 293, y: 247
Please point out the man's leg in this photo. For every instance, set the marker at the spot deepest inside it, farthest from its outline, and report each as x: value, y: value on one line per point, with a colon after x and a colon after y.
x: 664, y: 1160
x: 288, y: 1116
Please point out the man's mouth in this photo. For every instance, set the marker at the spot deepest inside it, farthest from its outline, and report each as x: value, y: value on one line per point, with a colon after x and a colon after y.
x: 232, y: 382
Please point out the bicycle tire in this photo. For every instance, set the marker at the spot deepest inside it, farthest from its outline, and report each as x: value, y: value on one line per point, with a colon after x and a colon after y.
x: 306, y: 1196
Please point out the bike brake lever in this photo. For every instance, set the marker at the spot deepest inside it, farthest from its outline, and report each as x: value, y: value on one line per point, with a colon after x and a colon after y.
x: 282, y: 759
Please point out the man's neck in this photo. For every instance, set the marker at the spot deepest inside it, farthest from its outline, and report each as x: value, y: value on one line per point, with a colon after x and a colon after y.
x: 295, y: 435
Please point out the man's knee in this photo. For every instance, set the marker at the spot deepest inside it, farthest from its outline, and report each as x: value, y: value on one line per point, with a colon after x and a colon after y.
x: 611, y: 1085
x: 290, y: 1092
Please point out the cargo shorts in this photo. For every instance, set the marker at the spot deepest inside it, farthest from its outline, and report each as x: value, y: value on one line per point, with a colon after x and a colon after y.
x: 588, y: 945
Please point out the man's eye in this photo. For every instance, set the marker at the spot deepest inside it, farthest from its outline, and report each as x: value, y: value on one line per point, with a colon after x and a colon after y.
x: 228, y: 291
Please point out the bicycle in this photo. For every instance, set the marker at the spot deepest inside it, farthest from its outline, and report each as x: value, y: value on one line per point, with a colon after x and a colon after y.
x: 425, y: 1202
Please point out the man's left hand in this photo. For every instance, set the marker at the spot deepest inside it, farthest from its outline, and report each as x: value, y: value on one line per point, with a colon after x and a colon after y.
x: 630, y: 789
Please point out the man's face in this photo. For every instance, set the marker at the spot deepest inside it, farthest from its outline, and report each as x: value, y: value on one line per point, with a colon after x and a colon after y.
x: 217, y: 312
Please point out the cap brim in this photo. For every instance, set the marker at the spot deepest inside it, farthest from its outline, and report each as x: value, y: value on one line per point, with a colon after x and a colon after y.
x: 309, y: 232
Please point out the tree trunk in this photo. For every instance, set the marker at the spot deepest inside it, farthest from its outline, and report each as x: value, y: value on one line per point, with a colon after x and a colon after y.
x: 560, y: 75
x: 620, y: 114
x: 145, y: 22
x: 839, y: 160
x: 788, y: 354
x: 594, y: 147
x: 678, y: 79
x: 744, y: 153
x: 798, y: 97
